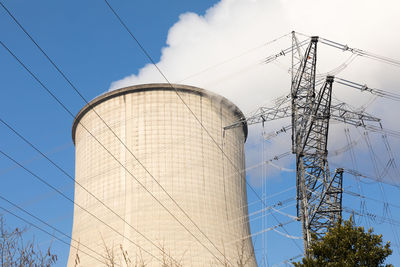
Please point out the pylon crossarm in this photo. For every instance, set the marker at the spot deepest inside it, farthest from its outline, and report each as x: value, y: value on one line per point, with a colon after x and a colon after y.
x: 341, y: 112
x: 264, y: 114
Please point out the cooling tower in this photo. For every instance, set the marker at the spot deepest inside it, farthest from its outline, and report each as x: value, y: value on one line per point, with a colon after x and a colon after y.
x: 178, y: 189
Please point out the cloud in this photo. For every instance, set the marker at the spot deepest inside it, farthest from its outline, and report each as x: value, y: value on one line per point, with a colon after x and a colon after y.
x: 222, y: 52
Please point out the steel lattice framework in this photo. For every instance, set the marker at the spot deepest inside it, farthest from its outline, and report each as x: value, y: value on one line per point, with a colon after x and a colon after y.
x: 319, y: 196
x: 319, y: 192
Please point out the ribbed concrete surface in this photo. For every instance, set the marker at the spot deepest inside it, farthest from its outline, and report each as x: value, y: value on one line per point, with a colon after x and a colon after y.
x: 160, y: 131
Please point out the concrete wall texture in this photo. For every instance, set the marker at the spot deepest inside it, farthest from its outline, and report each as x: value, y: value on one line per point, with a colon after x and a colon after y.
x: 159, y: 130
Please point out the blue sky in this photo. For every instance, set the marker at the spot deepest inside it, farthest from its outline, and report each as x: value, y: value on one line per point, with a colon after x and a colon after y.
x: 93, y: 50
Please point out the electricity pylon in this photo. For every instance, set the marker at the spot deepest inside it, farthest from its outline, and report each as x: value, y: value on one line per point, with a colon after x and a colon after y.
x: 319, y: 196
x: 319, y: 192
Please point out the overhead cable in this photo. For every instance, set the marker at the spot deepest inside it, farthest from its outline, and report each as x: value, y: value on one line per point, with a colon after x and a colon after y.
x: 288, y: 261
x: 270, y: 135
x: 360, y: 52
x: 283, y: 52
x: 278, y: 204
x: 48, y: 233
x: 185, y: 104
x: 233, y: 58
x: 265, y: 215
x: 78, y: 183
x: 354, y: 194
x: 281, y: 168
x: 262, y: 231
x: 47, y: 224
x: 363, y: 175
x: 365, y: 88
x: 43, y: 181
x: 372, y: 216
x: 383, y: 195
x: 354, y: 162
x: 140, y: 163
x: 102, y: 145
x: 270, y: 196
x: 286, y: 235
x: 392, y: 158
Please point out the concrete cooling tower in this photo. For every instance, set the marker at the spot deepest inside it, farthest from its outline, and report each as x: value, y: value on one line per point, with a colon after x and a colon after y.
x: 183, y: 203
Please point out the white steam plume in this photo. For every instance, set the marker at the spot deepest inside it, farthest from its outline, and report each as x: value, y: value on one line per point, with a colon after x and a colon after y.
x: 222, y: 50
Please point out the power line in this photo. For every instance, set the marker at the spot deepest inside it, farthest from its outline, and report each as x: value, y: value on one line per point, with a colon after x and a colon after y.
x: 47, y: 224
x: 392, y: 159
x: 264, y: 230
x: 271, y: 207
x: 287, y: 261
x: 233, y: 58
x: 77, y: 91
x: 360, y: 52
x: 280, y: 203
x: 286, y: 235
x: 371, y: 129
x: 102, y: 145
x: 42, y: 180
x: 375, y: 166
x: 354, y: 194
x: 353, y: 160
x: 113, y: 156
x: 46, y: 232
x: 283, y: 52
x: 372, y: 216
x: 146, y: 189
x: 53, y: 150
x: 270, y: 196
x: 381, y: 93
x: 365, y: 88
x: 79, y: 184
x: 184, y: 103
x: 265, y: 215
x: 264, y: 223
x: 363, y: 175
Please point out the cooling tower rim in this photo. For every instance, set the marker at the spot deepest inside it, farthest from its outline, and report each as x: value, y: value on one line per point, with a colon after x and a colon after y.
x: 155, y: 87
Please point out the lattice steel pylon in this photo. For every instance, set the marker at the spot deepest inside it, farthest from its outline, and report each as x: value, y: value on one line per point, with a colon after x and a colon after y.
x: 319, y: 196
x: 319, y: 192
